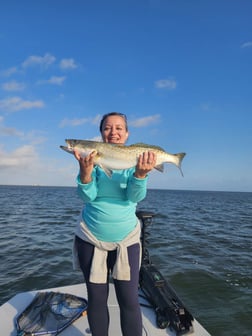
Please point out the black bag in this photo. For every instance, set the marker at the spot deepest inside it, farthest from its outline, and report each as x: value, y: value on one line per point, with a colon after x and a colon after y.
x: 170, y: 311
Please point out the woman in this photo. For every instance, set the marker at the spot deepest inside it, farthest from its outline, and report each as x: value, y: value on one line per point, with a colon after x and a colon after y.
x: 108, y: 235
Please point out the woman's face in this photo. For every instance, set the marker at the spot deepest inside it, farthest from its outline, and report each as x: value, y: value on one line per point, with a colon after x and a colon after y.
x: 114, y: 130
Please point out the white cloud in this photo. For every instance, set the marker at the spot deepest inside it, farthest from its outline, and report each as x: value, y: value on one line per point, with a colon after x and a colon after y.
x: 25, y: 166
x: 44, y: 61
x: 96, y: 120
x: 145, y: 121
x: 21, y: 157
x: 10, y: 131
x: 13, y: 86
x: 97, y: 138
x: 54, y: 80
x: 14, y: 104
x: 73, y: 122
x: 8, y: 72
x: 57, y: 80
x: 80, y: 121
x: 35, y: 137
x: 247, y: 44
x: 168, y: 84
x: 68, y: 63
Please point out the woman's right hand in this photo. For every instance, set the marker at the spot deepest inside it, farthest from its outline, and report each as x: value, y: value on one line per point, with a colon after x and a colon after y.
x: 86, y: 166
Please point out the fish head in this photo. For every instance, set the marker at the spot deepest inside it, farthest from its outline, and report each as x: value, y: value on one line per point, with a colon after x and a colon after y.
x: 72, y: 143
x: 83, y: 147
x: 67, y: 149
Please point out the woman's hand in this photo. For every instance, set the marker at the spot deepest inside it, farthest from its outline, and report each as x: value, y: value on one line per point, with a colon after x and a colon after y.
x: 146, y: 162
x: 86, y: 166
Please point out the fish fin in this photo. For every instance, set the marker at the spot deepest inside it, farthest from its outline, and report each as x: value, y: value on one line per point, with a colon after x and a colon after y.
x: 146, y: 146
x: 160, y: 167
x: 107, y: 171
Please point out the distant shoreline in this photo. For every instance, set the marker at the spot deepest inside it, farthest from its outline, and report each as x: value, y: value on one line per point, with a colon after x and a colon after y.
x: 73, y: 186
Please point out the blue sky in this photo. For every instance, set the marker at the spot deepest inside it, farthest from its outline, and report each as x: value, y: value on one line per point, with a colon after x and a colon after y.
x: 180, y: 70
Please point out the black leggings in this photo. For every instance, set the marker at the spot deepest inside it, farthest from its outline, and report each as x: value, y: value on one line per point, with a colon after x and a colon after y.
x: 126, y: 293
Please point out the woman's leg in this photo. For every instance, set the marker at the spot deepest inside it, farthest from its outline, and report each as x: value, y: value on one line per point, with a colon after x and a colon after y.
x: 97, y: 312
x: 127, y: 296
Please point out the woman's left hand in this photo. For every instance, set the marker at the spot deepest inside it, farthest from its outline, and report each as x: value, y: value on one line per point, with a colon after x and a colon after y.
x: 146, y: 162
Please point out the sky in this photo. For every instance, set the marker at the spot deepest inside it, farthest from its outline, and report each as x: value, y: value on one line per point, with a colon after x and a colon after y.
x: 180, y: 70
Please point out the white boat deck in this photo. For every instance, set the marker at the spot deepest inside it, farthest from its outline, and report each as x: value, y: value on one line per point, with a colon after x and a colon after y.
x: 11, y: 309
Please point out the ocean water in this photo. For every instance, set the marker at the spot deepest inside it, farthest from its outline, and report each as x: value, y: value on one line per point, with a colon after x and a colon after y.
x: 201, y: 242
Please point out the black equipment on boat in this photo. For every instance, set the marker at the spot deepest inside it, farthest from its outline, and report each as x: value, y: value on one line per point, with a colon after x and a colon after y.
x: 170, y: 311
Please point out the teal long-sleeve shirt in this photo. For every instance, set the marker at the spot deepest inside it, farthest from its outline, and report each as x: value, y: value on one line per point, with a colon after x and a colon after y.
x: 110, y: 203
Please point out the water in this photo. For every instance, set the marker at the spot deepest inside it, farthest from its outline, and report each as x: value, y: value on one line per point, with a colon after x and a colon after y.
x: 201, y: 242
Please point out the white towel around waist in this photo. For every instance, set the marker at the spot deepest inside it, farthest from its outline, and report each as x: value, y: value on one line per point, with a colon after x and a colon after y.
x: 98, y: 272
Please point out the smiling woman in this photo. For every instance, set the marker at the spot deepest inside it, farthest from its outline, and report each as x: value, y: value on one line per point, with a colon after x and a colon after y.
x: 109, y: 231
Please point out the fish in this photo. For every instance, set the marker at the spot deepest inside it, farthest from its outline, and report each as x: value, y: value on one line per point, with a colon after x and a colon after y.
x: 111, y: 157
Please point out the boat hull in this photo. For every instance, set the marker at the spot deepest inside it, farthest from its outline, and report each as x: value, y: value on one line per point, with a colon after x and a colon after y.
x: 11, y: 309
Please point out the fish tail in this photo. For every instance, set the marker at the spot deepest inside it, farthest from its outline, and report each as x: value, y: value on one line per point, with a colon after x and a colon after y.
x: 180, y: 157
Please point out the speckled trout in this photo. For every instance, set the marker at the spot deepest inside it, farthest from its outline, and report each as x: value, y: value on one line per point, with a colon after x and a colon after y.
x: 115, y: 156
